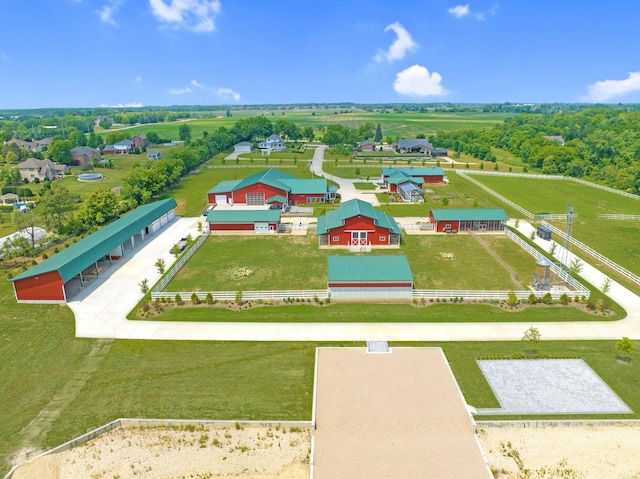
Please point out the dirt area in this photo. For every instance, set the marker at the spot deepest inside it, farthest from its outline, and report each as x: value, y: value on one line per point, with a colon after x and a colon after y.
x: 564, y: 452
x: 172, y: 453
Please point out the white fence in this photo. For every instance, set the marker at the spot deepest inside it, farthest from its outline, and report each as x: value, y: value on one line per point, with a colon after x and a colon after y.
x: 553, y: 177
x: 557, y: 270
x: 619, y: 217
x: 252, y: 165
x: 175, y: 267
x: 246, y: 295
x: 480, y: 295
x: 611, y: 264
x: 527, y: 213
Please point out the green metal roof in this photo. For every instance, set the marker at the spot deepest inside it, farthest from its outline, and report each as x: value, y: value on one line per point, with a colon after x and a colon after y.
x: 224, y: 187
x: 351, y: 208
x: 414, y: 170
x: 368, y: 268
x: 399, y: 177
x: 470, y: 214
x: 79, y: 256
x: 276, y: 199
x: 243, y: 216
x: 277, y: 179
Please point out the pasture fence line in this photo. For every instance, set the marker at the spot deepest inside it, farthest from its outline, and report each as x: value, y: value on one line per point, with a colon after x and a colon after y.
x: 483, y: 294
x: 507, y: 201
x: 273, y: 295
x: 254, y: 165
x: 555, y: 177
x: 619, y: 217
x: 175, y: 267
x: 590, y: 251
x: 527, y: 213
x: 512, y: 273
x: 557, y: 270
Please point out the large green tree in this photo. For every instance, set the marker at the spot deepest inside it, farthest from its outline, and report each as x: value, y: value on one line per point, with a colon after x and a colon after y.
x: 184, y: 132
x: 378, y: 136
x: 60, y: 150
x: 56, y: 205
x: 98, y: 208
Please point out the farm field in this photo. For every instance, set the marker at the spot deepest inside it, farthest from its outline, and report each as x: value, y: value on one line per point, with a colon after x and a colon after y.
x: 407, y: 124
x: 296, y: 262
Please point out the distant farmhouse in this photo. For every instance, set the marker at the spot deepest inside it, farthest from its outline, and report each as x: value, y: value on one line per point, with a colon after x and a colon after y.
x: 154, y: 155
x: 453, y: 220
x: 139, y: 141
x: 272, y: 143
x: 270, y: 186
x: 33, y: 146
x: 33, y: 168
x: 84, y: 155
x: 357, y: 224
x: 413, y: 146
x: 367, y: 146
x: 121, y: 148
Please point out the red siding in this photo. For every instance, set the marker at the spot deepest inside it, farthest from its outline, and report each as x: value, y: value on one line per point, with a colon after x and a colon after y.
x: 365, y: 284
x: 211, y: 197
x: 440, y: 226
x: 240, y: 196
x: 302, y: 198
x: 236, y: 226
x: 44, y: 287
x: 433, y: 179
x: 359, y: 223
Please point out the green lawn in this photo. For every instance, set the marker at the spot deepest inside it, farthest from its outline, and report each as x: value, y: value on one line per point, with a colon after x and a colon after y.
x: 365, y: 186
x: 296, y: 262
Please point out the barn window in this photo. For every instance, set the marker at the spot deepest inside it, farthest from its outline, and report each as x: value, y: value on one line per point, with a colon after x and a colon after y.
x: 335, y: 239
x: 447, y: 226
x: 382, y: 238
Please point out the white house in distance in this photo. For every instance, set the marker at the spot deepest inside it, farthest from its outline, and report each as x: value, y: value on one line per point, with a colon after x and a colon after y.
x: 243, y: 147
x: 273, y: 143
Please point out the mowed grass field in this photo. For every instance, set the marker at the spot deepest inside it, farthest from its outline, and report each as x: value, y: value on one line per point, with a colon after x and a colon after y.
x: 612, y: 238
x: 296, y: 262
x: 408, y: 124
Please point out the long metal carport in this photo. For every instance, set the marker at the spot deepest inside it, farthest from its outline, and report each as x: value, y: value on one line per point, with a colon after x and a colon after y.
x: 66, y: 272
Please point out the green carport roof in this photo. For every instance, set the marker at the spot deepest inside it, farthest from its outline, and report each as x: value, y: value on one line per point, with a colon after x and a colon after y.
x: 470, y: 214
x: 79, y: 256
x: 276, y: 199
x: 368, y: 268
x: 354, y: 207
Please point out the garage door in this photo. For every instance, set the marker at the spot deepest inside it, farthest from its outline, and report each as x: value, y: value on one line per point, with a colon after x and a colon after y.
x: 261, y: 227
x: 221, y: 199
x: 255, y: 199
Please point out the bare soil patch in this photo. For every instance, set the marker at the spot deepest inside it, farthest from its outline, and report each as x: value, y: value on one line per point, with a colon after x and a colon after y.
x: 170, y: 453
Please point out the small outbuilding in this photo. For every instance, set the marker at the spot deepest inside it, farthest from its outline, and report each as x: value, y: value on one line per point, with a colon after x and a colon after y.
x: 453, y: 220
x: 543, y: 232
x: 418, y: 175
x: 257, y: 221
x: 369, y: 277
x: 243, y: 147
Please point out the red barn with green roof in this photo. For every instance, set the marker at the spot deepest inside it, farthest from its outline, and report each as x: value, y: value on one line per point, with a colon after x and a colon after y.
x: 258, y: 221
x: 49, y: 281
x: 453, y: 220
x: 258, y: 188
x: 357, y: 223
x: 419, y: 175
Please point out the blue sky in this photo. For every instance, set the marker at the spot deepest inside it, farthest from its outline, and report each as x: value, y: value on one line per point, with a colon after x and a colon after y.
x: 85, y: 53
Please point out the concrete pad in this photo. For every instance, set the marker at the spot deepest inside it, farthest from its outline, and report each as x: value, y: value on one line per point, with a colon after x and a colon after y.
x: 549, y: 386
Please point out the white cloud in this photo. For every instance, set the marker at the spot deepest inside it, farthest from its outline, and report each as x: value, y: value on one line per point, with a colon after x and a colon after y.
x: 107, y: 12
x: 195, y: 15
x: 605, y: 90
x: 416, y: 81
x: 228, y: 94
x: 180, y: 91
x: 400, y: 47
x: 459, y: 11
x: 138, y: 79
x: 123, y: 105
x: 197, y: 85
